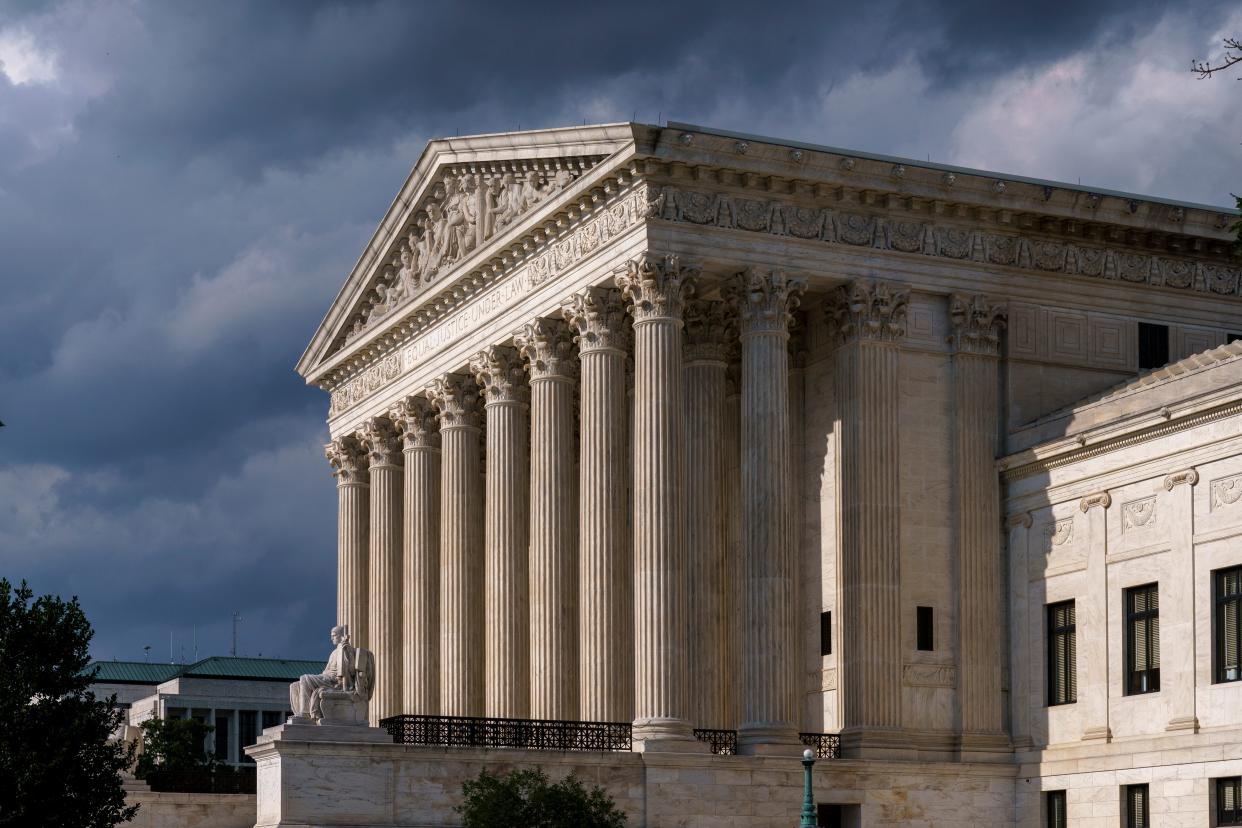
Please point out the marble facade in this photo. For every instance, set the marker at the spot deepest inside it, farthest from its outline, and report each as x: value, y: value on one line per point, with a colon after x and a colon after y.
x: 618, y: 412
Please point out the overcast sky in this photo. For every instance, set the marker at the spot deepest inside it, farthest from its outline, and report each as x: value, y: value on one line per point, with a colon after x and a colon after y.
x: 184, y: 187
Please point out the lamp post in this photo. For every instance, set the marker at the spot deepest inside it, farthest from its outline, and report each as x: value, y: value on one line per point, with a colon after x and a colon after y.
x: 808, y: 798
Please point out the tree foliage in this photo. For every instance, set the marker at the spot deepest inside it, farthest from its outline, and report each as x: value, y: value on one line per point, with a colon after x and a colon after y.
x: 526, y: 799
x: 57, y: 764
x: 173, y: 745
x: 1206, y: 69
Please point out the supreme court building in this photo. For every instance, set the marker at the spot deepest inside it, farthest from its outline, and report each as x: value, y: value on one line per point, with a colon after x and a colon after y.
x: 691, y: 431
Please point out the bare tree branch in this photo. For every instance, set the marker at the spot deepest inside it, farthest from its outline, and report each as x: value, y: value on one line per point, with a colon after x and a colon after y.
x: 1233, y: 54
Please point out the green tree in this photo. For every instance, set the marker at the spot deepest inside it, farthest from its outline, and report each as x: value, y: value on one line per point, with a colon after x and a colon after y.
x: 526, y: 799
x: 57, y: 764
x: 173, y: 745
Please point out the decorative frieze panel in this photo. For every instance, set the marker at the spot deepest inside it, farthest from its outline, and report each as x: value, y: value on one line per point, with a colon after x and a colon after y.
x: 1138, y: 514
x: 929, y: 675
x: 929, y: 238
x: 1226, y: 491
x: 1060, y: 533
x: 486, y: 296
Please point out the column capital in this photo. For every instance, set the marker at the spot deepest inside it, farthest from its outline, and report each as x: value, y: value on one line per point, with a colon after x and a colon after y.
x: 1022, y: 519
x: 498, y: 371
x: 348, y: 460
x: 1190, y: 477
x: 597, y: 316
x: 866, y: 310
x: 765, y: 300
x: 1099, y: 499
x: 456, y: 397
x: 547, y: 345
x: 977, y: 322
x: 710, y: 329
x: 383, y: 443
x: 656, y: 287
x: 416, y: 420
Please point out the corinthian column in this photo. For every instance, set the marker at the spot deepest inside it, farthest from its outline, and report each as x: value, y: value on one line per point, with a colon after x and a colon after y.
x: 420, y: 575
x: 977, y: 323
x: 548, y: 348
x: 656, y: 291
x: 507, y: 532
x: 384, y: 610
x: 708, y: 333
x: 765, y: 303
x: 349, y: 463
x: 456, y: 396
x: 606, y: 574
x: 870, y: 320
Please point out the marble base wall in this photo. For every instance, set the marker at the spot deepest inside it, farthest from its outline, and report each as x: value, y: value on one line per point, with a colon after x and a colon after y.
x: 305, y: 783
x: 185, y: 810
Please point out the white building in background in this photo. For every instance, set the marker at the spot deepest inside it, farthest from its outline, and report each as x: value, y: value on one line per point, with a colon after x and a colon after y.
x: 697, y: 430
x: 237, y: 696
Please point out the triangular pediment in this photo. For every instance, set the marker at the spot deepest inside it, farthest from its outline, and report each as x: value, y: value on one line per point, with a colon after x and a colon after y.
x: 464, y: 196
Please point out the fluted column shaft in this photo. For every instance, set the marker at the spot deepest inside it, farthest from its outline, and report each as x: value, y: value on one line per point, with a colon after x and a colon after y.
x: 705, y: 372
x: 461, y: 548
x: 420, y: 574
x: 547, y: 346
x: 733, y: 535
x: 605, y: 574
x: 869, y: 320
x: 507, y: 532
x: 655, y: 291
x: 384, y: 571
x: 349, y: 466
x: 764, y: 302
x: 976, y: 329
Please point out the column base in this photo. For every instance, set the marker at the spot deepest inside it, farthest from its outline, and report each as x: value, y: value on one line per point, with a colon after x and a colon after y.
x: 768, y: 739
x: 877, y: 743
x: 1190, y: 723
x: 986, y: 747
x: 1098, y: 732
x: 665, y: 735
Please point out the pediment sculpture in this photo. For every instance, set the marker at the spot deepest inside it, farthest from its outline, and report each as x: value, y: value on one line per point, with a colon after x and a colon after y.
x: 339, y: 695
x: 464, y: 210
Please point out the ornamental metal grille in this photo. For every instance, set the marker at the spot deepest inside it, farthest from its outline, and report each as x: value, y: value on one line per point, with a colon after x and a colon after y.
x: 722, y: 742
x: 825, y: 745
x: 526, y: 734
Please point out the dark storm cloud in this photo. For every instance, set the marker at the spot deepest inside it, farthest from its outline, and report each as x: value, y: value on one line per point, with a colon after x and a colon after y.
x: 181, y: 200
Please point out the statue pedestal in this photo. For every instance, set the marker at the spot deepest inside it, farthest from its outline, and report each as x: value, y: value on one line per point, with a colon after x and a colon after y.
x: 342, y: 709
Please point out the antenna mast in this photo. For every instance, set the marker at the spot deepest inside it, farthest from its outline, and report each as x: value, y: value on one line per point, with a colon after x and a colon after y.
x: 236, y: 620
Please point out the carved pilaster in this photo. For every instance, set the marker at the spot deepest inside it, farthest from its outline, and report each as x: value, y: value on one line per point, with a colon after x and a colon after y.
x: 349, y: 465
x: 869, y: 320
x: 764, y: 302
x: 383, y: 445
x: 606, y: 592
x: 977, y: 324
x: 500, y: 372
x: 656, y: 291
x: 420, y: 573
x: 456, y: 396
x: 1092, y: 620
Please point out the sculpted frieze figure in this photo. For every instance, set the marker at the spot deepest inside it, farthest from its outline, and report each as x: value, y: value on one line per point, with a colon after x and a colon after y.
x: 338, y: 695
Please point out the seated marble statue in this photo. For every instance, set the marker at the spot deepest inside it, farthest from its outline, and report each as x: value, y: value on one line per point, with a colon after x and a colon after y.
x: 339, y: 694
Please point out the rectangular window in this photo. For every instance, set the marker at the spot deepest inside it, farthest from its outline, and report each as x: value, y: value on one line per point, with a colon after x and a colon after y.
x: 925, y: 628
x: 1142, y: 639
x: 1229, y: 801
x: 1137, y: 815
x: 1054, y: 809
x: 222, y: 738
x: 825, y: 632
x: 247, y: 732
x: 1228, y: 649
x: 1062, y: 654
x: 1153, y: 342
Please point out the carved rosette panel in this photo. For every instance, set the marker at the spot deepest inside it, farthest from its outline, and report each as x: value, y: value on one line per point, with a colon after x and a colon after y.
x: 1059, y: 533
x: 547, y: 345
x: 499, y: 371
x: 597, y: 316
x: 348, y: 459
x: 865, y: 310
x: 1226, y: 491
x: 765, y: 300
x: 977, y: 323
x: 456, y: 397
x: 417, y: 421
x: 1137, y: 514
x: 382, y: 441
x: 656, y: 287
x: 710, y: 331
